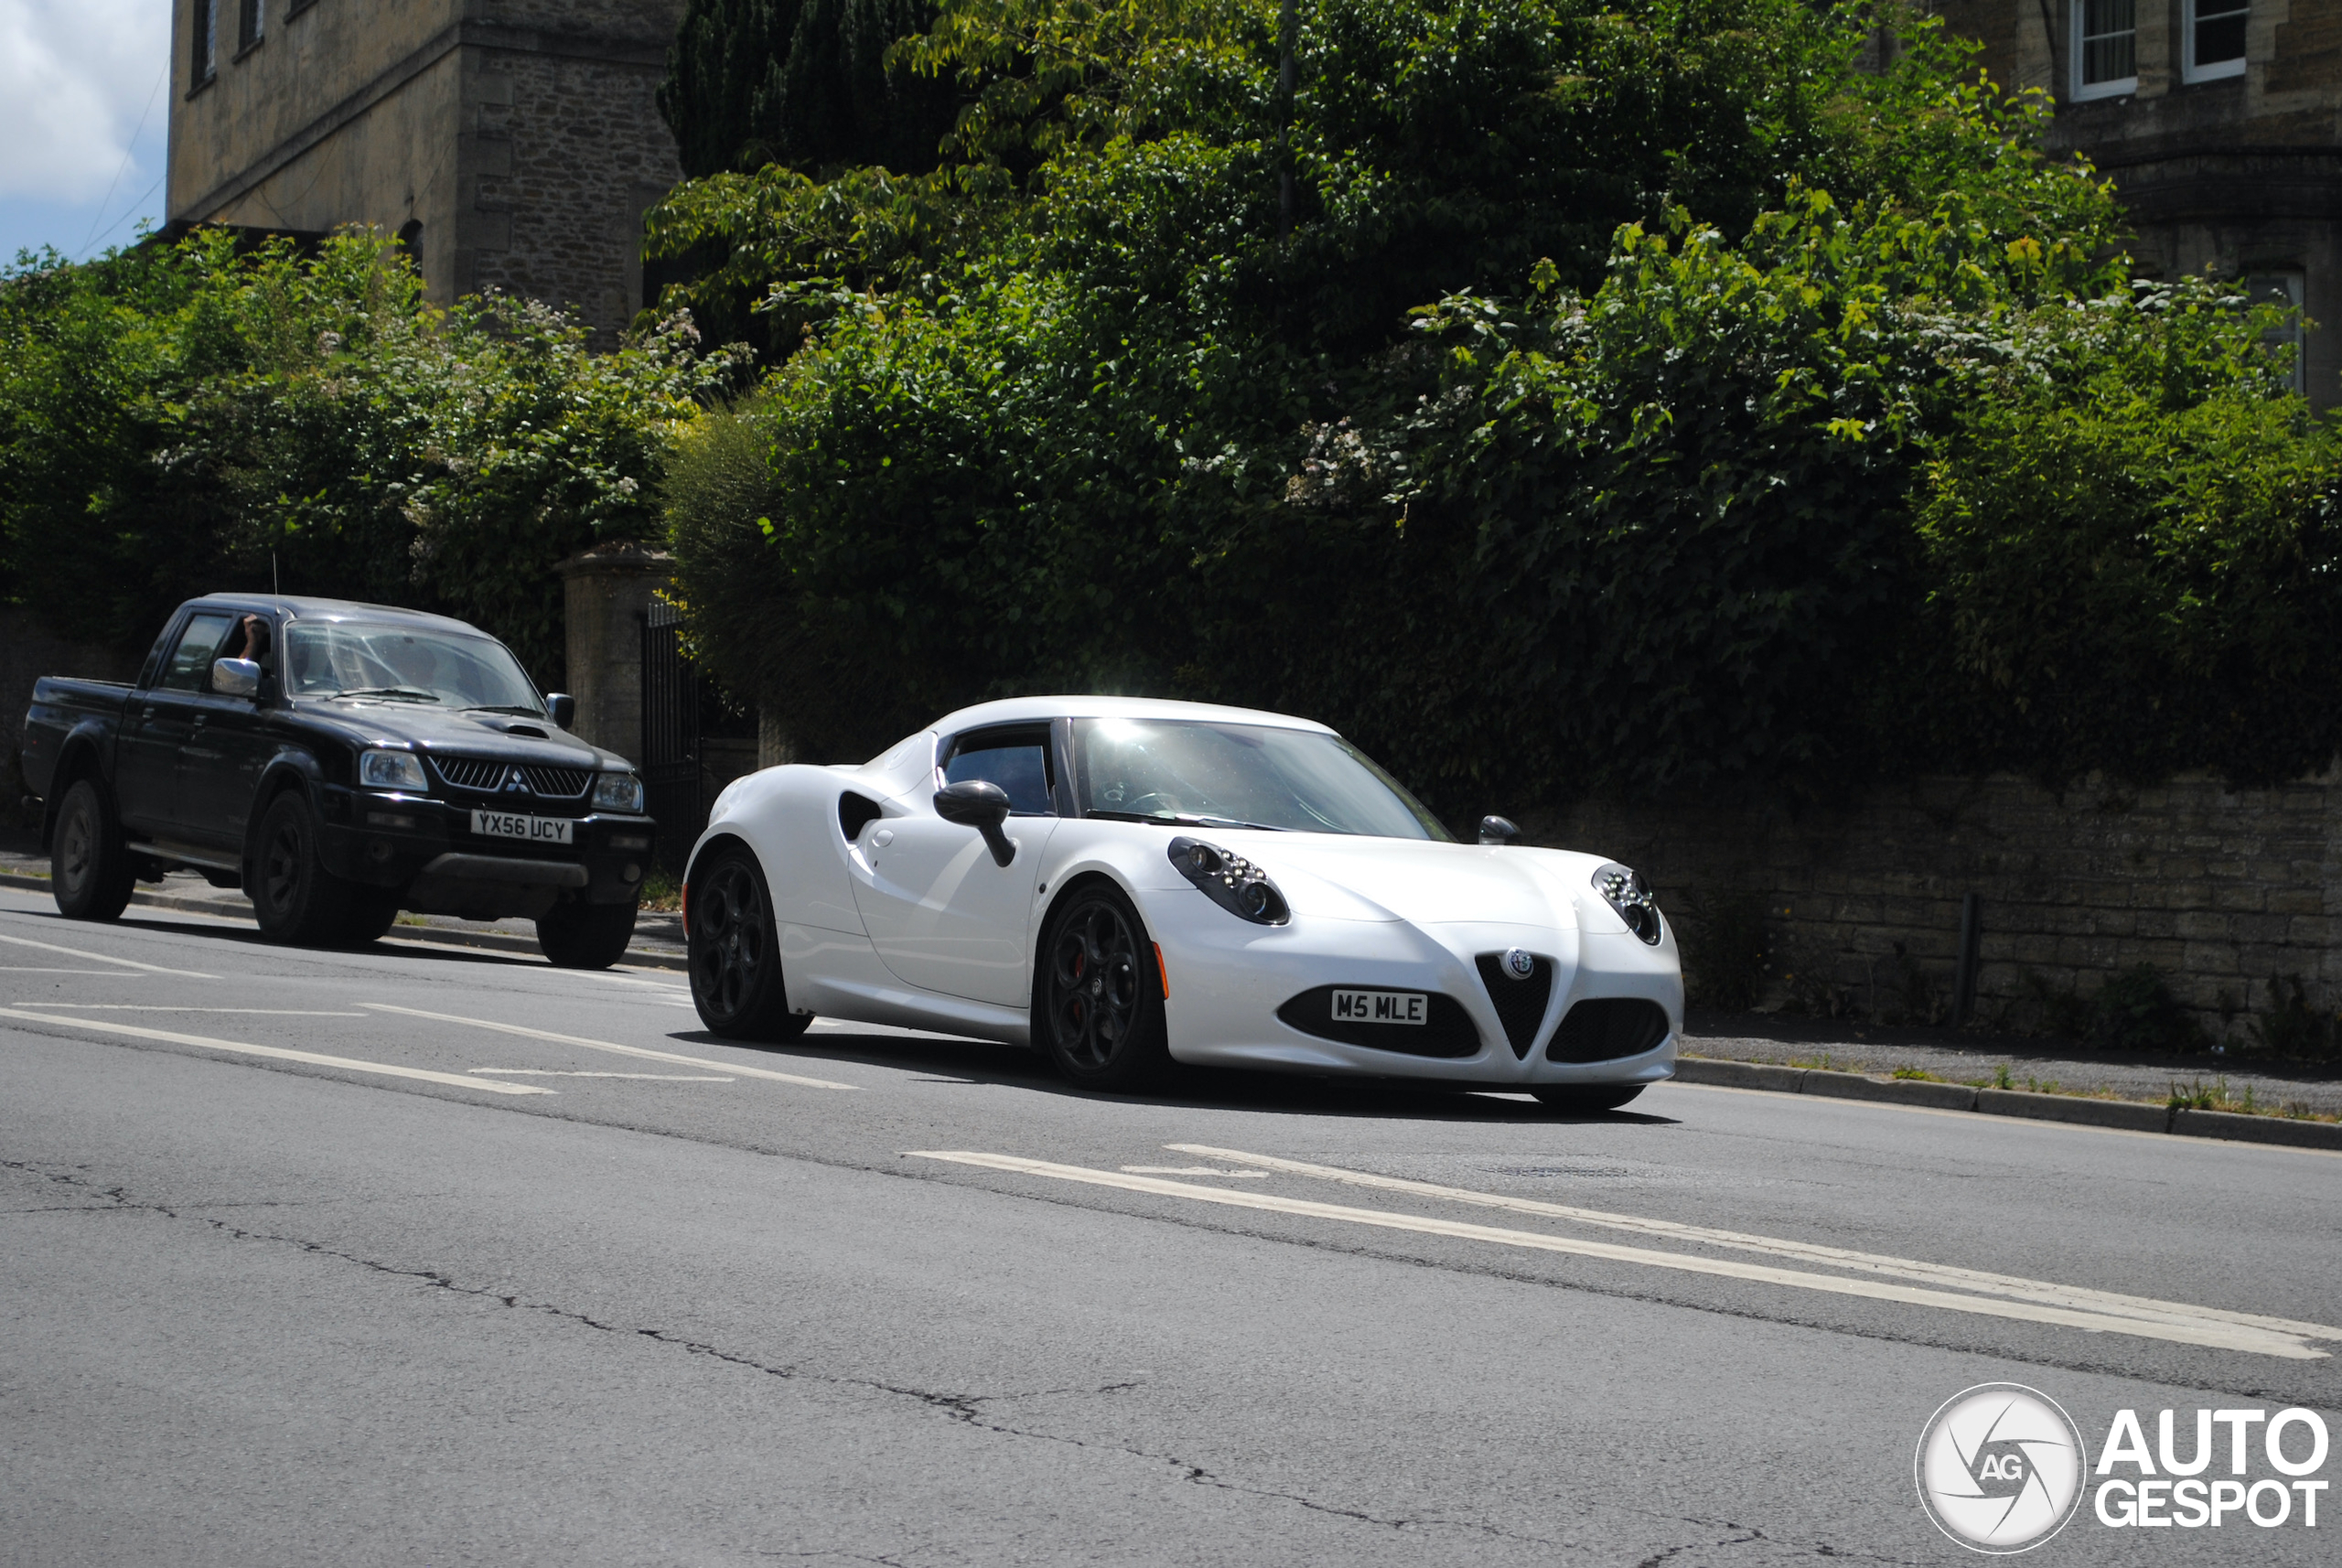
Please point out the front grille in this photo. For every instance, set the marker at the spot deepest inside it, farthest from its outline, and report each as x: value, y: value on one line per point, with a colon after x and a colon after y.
x: 488, y: 775
x: 1520, y: 1003
x: 1606, y: 1029
x: 1447, y: 1029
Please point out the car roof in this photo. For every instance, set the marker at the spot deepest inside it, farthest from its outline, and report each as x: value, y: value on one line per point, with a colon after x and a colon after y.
x: 1033, y: 710
x: 300, y: 608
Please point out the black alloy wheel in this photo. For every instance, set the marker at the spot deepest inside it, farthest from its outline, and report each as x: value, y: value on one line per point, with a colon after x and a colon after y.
x: 1590, y: 1100
x: 1099, y: 1008
x: 735, y: 951
x: 89, y: 868
x: 294, y: 898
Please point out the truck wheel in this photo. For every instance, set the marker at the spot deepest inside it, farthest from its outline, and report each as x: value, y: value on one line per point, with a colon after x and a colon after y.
x: 370, y: 912
x: 296, y: 899
x: 89, y: 868
x: 585, y: 936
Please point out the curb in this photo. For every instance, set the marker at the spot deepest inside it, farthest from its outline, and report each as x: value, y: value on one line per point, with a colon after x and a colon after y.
x: 2125, y: 1115
x: 432, y: 935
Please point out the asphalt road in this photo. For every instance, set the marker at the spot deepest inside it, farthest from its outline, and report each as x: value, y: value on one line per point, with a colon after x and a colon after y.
x: 460, y: 1293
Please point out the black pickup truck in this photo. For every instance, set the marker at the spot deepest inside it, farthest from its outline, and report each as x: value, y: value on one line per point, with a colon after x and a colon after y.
x: 339, y: 762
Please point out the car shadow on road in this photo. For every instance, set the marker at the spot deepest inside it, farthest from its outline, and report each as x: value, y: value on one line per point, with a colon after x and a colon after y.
x: 247, y: 936
x: 1265, y: 1093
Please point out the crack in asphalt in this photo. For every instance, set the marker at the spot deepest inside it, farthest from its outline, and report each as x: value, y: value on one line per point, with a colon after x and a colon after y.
x: 965, y: 1409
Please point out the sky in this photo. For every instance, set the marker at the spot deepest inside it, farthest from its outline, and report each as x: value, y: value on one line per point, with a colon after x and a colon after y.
x: 84, y: 112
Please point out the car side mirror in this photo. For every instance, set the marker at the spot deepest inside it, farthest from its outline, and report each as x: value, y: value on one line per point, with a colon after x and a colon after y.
x: 561, y: 707
x: 1497, y: 830
x: 235, y: 677
x: 979, y: 804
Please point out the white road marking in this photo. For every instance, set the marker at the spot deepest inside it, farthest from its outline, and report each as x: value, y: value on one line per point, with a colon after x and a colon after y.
x: 350, y: 1064
x: 608, y: 1046
x: 561, y: 1072
x: 1196, y: 1170
x: 109, y: 974
x: 162, y: 1007
x: 2039, y: 1291
x: 107, y: 958
x: 2220, y: 1335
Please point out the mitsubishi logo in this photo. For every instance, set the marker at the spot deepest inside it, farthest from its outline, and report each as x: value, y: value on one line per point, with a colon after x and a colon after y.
x: 514, y: 784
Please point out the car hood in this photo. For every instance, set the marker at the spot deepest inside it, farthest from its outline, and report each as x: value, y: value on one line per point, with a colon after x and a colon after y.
x: 365, y: 723
x: 1424, y: 883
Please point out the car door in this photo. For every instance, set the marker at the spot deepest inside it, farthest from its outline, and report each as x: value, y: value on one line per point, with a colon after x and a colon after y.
x: 228, y: 745
x: 944, y: 915
x: 159, y: 723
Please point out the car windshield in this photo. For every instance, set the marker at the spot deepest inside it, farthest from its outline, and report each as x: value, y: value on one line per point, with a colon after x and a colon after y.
x: 405, y: 663
x: 1228, y: 775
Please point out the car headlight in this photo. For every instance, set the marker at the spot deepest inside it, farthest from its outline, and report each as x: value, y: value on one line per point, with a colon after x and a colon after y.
x: 617, y: 792
x: 1232, y: 882
x: 390, y: 770
x: 1623, y: 891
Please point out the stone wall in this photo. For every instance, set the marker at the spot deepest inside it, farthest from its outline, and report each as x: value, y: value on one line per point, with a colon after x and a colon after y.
x: 2225, y: 891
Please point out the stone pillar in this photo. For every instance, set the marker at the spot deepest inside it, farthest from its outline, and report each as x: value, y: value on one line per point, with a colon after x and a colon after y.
x: 773, y: 747
x: 608, y: 590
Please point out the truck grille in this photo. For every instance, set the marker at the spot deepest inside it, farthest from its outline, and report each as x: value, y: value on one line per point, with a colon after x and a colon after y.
x: 488, y: 775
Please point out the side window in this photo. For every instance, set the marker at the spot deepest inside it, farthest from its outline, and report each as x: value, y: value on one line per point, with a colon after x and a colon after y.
x: 189, y: 669
x: 1018, y: 761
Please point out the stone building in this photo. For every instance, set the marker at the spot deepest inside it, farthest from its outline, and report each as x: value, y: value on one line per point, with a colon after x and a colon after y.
x: 512, y: 144
x: 2220, y: 122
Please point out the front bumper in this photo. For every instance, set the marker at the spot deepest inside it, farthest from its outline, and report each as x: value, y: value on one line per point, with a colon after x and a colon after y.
x: 1229, y: 980
x: 425, y: 846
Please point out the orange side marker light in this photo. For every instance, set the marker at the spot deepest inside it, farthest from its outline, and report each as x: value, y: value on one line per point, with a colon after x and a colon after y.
x: 1162, y: 974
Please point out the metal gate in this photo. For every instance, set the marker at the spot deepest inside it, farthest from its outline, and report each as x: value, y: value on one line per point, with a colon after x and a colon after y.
x: 671, y: 764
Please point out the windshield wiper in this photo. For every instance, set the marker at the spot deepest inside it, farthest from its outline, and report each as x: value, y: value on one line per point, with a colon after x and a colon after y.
x: 1184, y: 820
x: 408, y: 692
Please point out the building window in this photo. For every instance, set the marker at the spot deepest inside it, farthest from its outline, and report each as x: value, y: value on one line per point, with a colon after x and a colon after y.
x: 250, y: 18
x: 2106, y: 48
x: 2214, y: 47
x: 206, y: 41
x: 2286, y: 290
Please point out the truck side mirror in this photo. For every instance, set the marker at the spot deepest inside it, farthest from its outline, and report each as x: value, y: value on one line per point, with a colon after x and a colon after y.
x: 561, y: 707
x: 235, y: 677
x: 979, y: 804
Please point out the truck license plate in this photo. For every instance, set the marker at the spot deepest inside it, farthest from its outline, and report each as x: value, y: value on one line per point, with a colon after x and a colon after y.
x: 534, y: 830
x: 1380, y: 1007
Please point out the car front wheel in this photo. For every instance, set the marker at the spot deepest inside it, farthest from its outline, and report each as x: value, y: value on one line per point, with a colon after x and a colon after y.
x: 735, y: 952
x: 1098, y: 1005
x: 294, y: 898
x: 89, y: 868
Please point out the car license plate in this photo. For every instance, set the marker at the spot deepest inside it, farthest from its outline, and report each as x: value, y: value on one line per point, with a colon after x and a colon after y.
x: 1381, y: 1008
x: 535, y: 829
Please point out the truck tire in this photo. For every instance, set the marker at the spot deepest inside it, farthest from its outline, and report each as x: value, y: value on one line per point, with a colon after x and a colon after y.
x: 90, y: 871
x: 296, y: 899
x: 585, y: 936
x: 369, y: 913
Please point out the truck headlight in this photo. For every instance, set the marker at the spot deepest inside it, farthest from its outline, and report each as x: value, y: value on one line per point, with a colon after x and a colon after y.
x: 1623, y: 891
x: 617, y: 792
x: 1230, y: 881
x: 390, y: 770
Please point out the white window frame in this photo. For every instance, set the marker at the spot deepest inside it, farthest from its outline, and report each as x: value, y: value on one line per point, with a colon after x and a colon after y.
x: 2189, y: 71
x: 2083, y: 92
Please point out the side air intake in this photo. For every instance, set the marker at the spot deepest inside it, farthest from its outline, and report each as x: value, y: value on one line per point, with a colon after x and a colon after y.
x: 1607, y: 1029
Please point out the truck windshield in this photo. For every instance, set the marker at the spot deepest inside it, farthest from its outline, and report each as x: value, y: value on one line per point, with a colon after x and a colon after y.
x: 1254, y: 776
x: 404, y: 663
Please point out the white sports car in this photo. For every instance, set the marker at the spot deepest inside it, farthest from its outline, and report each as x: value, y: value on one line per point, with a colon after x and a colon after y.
x: 1124, y: 882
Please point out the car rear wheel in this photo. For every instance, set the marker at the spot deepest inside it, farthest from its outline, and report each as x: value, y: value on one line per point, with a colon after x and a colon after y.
x: 585, y: 936
x: 1098, y: 1007
x: 735, y: 952
x: 1589, y: 1100
x: 296, y: 899
x: 88, y: 866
